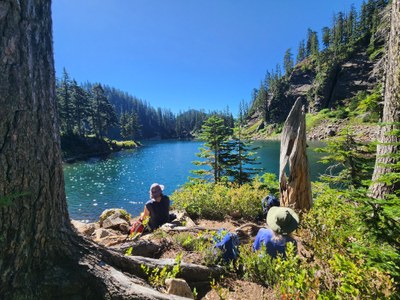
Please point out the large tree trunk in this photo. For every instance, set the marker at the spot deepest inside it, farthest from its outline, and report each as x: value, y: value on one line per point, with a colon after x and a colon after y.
x: 35, y: 222
x: 389, y: 142
x: 295, y: 189
x: 41, y: 257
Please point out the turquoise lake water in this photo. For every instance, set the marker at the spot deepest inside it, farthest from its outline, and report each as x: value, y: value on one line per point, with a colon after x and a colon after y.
x: 122, y: 180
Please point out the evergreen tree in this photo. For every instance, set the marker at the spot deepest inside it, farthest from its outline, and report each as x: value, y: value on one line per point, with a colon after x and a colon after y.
x: 215, y: 134
x: 326, y: 37
x: 65, y: 106
x: 301, y: 52
x: 314, y: 43
x: 262, y: 101
x: 239, y: 158
x: 80, y: 100
x: 103, y: 114
x: 288, y: 62
x: 338, y: 31
x: 352, y: 24
x: 130, y: 126
x: 309, y: 42
x: 350, y: 161
x: 363, y: 26
x: 312, y: 46
x: 386, y: 178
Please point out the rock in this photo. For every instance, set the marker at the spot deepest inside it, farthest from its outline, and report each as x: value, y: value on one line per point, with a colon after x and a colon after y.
x: 114, y: 213
x: 84, y: 228
x: 115, y: 218
x: 100, y: 234
x: 182, y: 219
x: 179, y: 287
x: 114, y: 223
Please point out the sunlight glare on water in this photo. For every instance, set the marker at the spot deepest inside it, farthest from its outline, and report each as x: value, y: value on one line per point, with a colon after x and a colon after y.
x: 122, y: 180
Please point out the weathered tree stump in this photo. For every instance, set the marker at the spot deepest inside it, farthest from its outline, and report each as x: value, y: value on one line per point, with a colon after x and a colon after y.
x: 295, y: 189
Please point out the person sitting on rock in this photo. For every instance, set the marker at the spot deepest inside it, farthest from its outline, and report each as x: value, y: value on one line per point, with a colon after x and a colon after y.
x: 282, y: 221
x: 157, y: 208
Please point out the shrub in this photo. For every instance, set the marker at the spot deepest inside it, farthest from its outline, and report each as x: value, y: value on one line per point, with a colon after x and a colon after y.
x: 352, y: 262
x: 216, y: 201
x: 291, y: 277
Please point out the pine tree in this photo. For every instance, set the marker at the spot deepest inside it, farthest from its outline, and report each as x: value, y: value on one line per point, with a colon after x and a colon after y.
x: 350, y: 161
x: 288, y: 62
x: 352, y: 24
x: 262, y: 101
x: 312, y: 46
x: 65, y: 106
x: 338, y: 31
x: 326, y: 37
x: 386, y: 172
x: 301, y: 52
x: 215, y: 134
x: 239, y: 158
x: 103, y: 114
x: 80, y: 100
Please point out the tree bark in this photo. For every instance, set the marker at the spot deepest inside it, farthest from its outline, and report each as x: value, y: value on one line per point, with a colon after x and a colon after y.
x: 31, y: 177
x: 388, y: 142
x: 41, y: 257
x: 295, y: 189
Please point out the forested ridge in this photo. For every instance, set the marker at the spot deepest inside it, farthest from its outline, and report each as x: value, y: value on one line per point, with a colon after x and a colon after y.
x: 104, y: 111
x: 338, y: 75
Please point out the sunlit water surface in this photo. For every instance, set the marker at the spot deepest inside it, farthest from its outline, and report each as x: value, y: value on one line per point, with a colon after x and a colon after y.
x: 122, y: 180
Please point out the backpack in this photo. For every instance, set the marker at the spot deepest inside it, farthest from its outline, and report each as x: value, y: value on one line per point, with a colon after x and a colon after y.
x: 267, y: 202
x: 136, y: 229
x: 228, y: 243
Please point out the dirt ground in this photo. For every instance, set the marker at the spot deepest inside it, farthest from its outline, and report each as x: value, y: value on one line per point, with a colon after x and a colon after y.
x: 229, y: 288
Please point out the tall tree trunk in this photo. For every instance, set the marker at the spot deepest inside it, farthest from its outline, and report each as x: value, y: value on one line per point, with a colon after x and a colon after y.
x: 389, y: 142
x: 295, y: 189
x: 41, y: 257
x: 31, y: 177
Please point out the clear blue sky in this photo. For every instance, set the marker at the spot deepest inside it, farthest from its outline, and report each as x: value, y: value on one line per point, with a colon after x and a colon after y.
x: 181, y: 54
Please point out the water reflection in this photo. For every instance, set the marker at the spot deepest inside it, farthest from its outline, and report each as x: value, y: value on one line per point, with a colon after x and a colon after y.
x: 122, y: 179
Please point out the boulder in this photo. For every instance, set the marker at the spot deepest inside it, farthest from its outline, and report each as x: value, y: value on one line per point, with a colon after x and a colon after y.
x: 115, y: 223
x: 115, y: 218
x: 84, y: 228
x: 179, y: 287
x: 114, y: 213
x: 182, y: 219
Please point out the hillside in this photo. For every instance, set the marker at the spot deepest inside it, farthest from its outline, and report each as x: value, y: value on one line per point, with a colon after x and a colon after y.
x: 342, y: 78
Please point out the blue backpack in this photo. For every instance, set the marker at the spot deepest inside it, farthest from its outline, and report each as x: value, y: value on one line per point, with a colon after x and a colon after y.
x: 267, y: 202
x: 228, y: 244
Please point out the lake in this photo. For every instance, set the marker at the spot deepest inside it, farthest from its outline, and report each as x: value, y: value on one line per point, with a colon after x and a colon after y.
x: 122, y: 179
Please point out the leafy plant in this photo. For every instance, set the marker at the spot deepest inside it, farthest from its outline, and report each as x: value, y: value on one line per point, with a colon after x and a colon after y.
x: 221, y: 292
x: 157, y: 277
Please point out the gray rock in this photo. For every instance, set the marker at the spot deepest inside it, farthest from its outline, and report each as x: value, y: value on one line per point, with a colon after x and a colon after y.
x: 179, y: 287
x: 182, y: 219
x: 101, y: 233
x: 114, y: 223
x: 113, y: 213
x: 84, y: 228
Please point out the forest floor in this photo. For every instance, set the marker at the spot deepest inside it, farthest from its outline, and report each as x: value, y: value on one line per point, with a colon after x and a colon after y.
x: 231, y: 287
x: 228, y: 286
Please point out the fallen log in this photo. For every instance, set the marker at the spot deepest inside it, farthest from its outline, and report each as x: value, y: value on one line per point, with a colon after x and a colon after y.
x: 133, y: 265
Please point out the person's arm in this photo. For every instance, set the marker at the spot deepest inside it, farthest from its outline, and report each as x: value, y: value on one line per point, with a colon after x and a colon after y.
x: 144, y: 214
